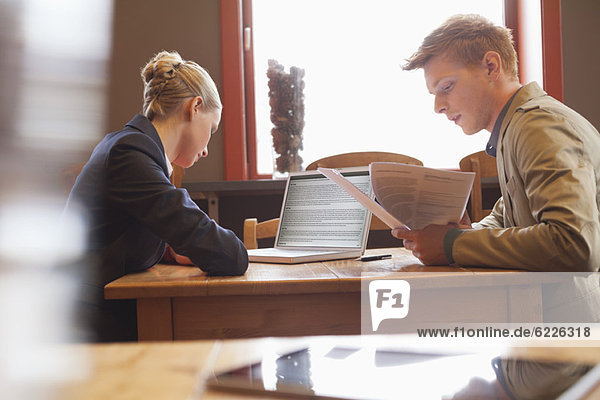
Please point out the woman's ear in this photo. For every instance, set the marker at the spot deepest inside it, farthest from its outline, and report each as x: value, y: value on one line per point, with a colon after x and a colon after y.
x: 193, y: 107
x: 196, y: 105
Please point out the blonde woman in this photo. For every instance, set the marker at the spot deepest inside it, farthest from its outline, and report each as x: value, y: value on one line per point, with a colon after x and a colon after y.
x: 133, y: 208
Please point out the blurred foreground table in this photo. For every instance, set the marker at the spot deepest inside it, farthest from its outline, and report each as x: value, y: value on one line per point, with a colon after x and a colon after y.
x: 177, y: 370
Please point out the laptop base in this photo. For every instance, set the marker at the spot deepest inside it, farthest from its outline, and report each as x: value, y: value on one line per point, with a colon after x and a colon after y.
x: 285, y: 256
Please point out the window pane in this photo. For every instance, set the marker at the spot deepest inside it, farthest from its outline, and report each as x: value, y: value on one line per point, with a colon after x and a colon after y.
x: 357, y: 98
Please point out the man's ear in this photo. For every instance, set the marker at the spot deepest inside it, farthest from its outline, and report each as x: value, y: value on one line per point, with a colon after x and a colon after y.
x: 493, y: 64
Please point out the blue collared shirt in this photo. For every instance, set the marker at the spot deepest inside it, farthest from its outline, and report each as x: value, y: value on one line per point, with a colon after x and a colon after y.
x: 492, y: 144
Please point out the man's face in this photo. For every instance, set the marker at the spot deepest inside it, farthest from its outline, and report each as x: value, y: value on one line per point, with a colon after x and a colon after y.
x: 463, y: 93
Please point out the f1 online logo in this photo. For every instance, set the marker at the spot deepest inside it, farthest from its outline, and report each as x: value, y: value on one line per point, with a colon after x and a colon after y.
x: 389, y: 299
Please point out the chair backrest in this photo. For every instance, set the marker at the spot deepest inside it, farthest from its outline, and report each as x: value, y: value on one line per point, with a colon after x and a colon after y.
x: 268, y: 228
x: 177, y: 175
x: 254, y: 230
x: 484, y: 166
x: 360, y: 159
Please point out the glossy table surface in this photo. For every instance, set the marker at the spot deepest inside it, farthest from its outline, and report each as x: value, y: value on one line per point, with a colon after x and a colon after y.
x: 177, y: 370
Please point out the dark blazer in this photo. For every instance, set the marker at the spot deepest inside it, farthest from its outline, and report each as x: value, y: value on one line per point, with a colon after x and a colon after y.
x: 133, y: 211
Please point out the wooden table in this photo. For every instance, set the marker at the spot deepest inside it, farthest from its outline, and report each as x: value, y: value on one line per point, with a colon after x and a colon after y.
x: 321, y: 298
x: 176, y: 370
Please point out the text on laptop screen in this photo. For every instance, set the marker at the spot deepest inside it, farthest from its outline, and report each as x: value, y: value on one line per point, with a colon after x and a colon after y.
x: 317, y: 212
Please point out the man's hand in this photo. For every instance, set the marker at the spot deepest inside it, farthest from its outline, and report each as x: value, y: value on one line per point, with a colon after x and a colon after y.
x: 465, y: 221
x: 426, y: 244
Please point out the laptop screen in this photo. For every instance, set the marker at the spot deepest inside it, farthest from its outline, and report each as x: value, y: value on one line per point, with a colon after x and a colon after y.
x: 318, y: 213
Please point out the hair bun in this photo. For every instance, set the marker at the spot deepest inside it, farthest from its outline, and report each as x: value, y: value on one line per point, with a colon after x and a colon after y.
x: 161, y: 67
x: 169, y: 80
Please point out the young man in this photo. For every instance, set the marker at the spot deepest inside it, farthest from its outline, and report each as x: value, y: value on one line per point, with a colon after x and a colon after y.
x: 548, y: 160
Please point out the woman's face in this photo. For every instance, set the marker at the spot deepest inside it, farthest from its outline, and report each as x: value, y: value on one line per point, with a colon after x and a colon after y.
x: 194, y: 140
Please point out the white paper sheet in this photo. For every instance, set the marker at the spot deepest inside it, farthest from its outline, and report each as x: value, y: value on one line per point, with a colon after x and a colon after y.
x: 411, y: 196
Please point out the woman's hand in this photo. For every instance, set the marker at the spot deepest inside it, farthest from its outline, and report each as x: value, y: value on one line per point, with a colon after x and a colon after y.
x: 171, y: 256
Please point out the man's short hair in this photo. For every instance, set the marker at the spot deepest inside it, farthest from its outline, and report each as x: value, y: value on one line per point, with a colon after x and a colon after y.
x: 466, y: 38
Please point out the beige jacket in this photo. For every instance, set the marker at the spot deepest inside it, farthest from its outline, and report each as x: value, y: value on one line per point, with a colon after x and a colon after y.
x: 547, y: 219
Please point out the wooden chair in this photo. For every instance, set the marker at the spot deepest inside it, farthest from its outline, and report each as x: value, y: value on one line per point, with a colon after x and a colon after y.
x: 254, y: 230
x: 360, y: 159
x: 484, y: 166
x: 177, y: 175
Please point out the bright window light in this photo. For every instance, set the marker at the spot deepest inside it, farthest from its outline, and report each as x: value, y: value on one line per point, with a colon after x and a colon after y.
x: 357, y: 98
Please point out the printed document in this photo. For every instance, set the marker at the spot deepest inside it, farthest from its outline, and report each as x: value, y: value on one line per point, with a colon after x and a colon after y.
x: 411, y: 196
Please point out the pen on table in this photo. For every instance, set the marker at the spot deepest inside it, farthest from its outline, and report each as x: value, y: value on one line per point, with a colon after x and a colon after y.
x: 374, y: 258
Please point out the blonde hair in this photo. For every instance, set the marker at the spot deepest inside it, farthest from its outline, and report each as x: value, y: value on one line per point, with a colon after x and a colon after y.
x: 168, y: 80
x: 466, y: 38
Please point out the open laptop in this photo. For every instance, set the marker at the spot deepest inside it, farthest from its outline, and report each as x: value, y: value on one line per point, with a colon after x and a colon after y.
x: 319, y: 220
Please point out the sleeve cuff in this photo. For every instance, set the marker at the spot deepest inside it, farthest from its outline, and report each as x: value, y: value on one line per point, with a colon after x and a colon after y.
x: 449, y: 239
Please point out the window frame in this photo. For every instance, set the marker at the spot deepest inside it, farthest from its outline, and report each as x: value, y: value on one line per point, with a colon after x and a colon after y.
x: 237, y: 74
